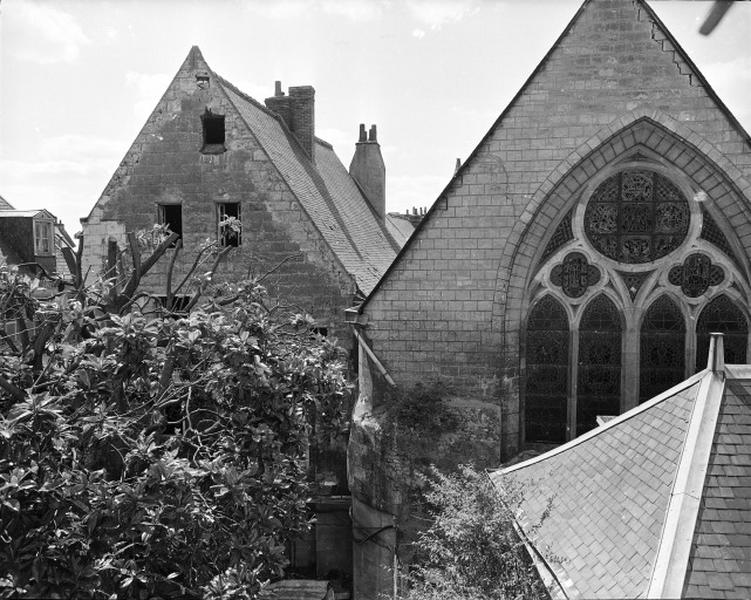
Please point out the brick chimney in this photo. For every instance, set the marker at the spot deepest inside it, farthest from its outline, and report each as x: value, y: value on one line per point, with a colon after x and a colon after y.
x: 297, y: 110
x: 368, y: 170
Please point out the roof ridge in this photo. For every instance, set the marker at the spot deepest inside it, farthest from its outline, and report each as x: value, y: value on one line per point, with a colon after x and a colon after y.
x: 323, y: 142
x: 245, y: 96
x: 460, y: 171
x: 629, y: 414
x: 676, y: 538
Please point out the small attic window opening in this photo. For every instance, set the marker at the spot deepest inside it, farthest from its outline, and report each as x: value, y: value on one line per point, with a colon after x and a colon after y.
x: 171, y: 215
x: 202, y: 80
x: 213, y: 133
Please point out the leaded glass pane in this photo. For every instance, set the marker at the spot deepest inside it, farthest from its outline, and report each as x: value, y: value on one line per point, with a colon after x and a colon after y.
x: 723, y: 316
x: 636, y: 216
x: 547, y: 372
x: 599, y: 382
x: 663, y: 338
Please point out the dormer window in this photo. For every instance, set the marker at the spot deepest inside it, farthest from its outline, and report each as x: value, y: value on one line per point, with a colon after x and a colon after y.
x: 213, y: 133
x: 43, y: 238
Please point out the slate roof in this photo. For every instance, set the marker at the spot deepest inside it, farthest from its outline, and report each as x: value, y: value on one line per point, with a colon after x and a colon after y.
x: 399, y: 228
x: 654, y: 503
x: 4, y: 204
x: 326, y: 192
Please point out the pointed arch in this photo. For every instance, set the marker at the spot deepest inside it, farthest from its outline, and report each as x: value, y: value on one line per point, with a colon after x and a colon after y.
x: 546, y: 391
x: 599, y: 368
x: 662, y: 357
x: 722, y: 315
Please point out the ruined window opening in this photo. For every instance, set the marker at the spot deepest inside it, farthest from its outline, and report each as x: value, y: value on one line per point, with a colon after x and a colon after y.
x: 213, y: 133
x: 322, y: 331
x: 202, y: 80
x: 171, y: 215
x: 43, y: 238
x: 229, y: 223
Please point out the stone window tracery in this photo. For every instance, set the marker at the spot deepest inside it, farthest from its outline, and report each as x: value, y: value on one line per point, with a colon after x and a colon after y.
x: 574, y: 275
x: 636, y: 216
x: 623, y: 350
x: 696, y: 275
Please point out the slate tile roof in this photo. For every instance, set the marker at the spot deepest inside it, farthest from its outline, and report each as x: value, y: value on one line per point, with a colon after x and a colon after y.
x: 654, y: 503
x: 720, y: 562
x: 4, y: 204
x: 608, y: 496
x: 326, y: 191
x: 400, y: 228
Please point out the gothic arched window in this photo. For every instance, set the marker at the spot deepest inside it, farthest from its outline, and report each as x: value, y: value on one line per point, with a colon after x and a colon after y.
x: 547, y: 372
x: 722, y: 315
x: 599, y: 381
x: 663, y: 339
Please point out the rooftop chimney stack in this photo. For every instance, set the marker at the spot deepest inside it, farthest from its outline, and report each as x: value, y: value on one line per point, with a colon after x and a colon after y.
x: 297, y: 110
x: 368, y: 170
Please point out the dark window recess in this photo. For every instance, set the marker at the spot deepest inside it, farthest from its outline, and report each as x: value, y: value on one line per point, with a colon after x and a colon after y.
x: 722, y: 316
x: 213, y: 132
x: 179, y: 304
x: 202, y: 80
x: 322, y: 331
x: 663, y: 335
x: 599, y: 385
x: 546, y: 396
x: 230, y: 233
x: 171, y: 215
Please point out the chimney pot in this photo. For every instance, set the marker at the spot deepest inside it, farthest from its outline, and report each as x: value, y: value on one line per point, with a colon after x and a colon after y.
x: 363, y: 135
x: 278, y: 88
x: 458, y: 165
x: 372, y: 134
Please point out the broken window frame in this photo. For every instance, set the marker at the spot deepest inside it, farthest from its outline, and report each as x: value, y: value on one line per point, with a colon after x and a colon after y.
x: 44, y: 237
x: 174, y: 226
x: 226, y: 234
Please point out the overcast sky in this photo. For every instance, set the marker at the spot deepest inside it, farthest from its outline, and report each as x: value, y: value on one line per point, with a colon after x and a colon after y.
x: 78, y: 79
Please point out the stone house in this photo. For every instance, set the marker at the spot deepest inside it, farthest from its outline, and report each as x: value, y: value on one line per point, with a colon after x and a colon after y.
x: 32, y: 239
x: 317, y: 231
x: 571, y: 269
x: 208, y: 151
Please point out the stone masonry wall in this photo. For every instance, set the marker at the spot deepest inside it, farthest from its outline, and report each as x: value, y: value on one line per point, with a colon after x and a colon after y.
x: 434, y: 313
x: 165, y: 165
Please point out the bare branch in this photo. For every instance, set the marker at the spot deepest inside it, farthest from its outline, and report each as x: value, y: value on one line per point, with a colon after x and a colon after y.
x: 286, y: 259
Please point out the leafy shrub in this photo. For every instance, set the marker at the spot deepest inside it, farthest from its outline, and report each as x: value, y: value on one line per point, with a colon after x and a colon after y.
x: 150, y: 456
x: 470, y: 551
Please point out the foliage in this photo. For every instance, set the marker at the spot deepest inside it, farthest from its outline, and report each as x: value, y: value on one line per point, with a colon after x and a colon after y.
x: 161, y: 455
x: 471, y: 551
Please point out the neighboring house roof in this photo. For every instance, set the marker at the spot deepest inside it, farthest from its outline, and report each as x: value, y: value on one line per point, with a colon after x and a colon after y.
x: 399, y: 227
x: 654, y: 503
x: 326, y: 191
x: 4, y: 204
x: 33, y: 213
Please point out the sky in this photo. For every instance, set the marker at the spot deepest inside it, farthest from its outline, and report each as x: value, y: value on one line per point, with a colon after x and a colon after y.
x: 78, y: 78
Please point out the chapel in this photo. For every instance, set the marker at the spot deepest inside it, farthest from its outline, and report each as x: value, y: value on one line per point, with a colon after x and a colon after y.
x: 571, y: 270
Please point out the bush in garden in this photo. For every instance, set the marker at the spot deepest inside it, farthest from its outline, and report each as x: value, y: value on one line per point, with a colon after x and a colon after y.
x: 153, y: 454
